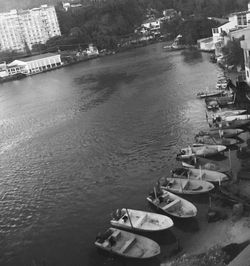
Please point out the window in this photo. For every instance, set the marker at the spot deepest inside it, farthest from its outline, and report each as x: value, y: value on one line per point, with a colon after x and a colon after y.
x: 242, y: 20
x: 247, y: 74
x: 215, y: 30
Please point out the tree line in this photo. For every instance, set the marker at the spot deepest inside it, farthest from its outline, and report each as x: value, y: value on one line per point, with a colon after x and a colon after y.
x: 105, y: 23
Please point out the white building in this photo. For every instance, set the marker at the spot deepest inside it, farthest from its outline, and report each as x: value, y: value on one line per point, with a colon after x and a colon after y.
x: 20, y: 29
x: 68, y: 6
x: 35, y: 64
x: 92, y: 50
x: 237, y: 21
x: 206, y: 44
x: 169, y: 13
x: 245, y: 45
x: 152, y: 24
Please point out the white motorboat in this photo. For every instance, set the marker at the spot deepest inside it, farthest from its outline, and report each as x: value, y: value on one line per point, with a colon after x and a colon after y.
x: 127, y: 244
x: 203, y: 150
x: 200, y: 174
x: 186, y: 186
x: 173, y: 204
x: 140, y: 220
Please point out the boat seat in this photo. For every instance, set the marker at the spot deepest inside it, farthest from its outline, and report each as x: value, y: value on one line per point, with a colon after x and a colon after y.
x: 140, y: 221
x: 127, y: 245
x: 116, y: 235
x: 171, y: 204
x: 106, y: 244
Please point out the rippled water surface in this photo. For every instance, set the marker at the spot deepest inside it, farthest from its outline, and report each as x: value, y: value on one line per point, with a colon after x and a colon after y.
x: 81, y: 141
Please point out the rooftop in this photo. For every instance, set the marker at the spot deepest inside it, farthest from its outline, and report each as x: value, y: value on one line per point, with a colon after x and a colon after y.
x: 240, y: 13
x: 220, y: 20
x: 36, y: 57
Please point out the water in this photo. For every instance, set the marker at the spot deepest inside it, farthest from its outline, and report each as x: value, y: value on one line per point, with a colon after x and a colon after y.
x: 81, y: 141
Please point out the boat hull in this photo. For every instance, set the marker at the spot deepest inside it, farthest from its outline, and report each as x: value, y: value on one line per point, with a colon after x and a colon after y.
x: 142, y: 221
x: 185, y: 209
x: 200, y: 174
x: 219, y: 141
x: 201, y: 150
x: 186, y: 186
x: 225, y: 133
x: 129, y: 245
x: 206, y: 165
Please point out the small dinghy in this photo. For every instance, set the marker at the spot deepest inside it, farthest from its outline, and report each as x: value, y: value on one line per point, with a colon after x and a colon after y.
x: 237, y: 123
x: 236, y: 117
x: 186, y: 186
x: 172, y: 204
x: 206, y: 94
x: 203, y: 150
x: 218, y: 141
x: 225, y: 133
x: 206, y: 164
x: 127, y: 244
x: 200, y: 174
x: 229, y: 113
x: 140, y: 220
x: 231, y: 120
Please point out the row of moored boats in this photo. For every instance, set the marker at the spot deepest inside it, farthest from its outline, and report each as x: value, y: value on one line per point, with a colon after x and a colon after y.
x: 197, y: 175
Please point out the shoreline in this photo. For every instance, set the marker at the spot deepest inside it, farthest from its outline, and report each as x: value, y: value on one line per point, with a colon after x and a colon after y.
x: 75, y: 60
x: 205, y: 247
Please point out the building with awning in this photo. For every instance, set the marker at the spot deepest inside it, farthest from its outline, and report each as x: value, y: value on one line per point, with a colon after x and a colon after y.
x: 35, y: 64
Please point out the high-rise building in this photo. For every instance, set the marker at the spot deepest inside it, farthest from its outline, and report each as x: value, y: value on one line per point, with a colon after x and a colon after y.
x: 21, y: 29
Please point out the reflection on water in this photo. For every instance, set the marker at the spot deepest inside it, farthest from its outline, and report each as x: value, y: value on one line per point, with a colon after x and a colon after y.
x: 101, y: 87
x: 82, y: 141
x: 191, y: 56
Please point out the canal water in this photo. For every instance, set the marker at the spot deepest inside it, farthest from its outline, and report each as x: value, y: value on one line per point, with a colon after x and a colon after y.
x: 82, y: 141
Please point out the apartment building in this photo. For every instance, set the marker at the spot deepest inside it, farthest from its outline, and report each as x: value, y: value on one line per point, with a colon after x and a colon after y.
x: 21, y: 29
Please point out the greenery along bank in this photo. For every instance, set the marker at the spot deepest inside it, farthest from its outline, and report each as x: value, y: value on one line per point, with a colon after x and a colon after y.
x: 109, y: 22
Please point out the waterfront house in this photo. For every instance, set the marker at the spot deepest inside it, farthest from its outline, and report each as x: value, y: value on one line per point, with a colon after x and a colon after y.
x: 16, y: 69
x: 232, y: 29
x: 152, y: 24
x: 92, y: 50
x: 206, y: 44
x: 169, y: 14
x: 35, y: 64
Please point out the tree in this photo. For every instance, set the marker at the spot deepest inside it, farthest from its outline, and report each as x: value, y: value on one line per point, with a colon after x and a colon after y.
x: 38, y: 47
x: 234, y: 53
